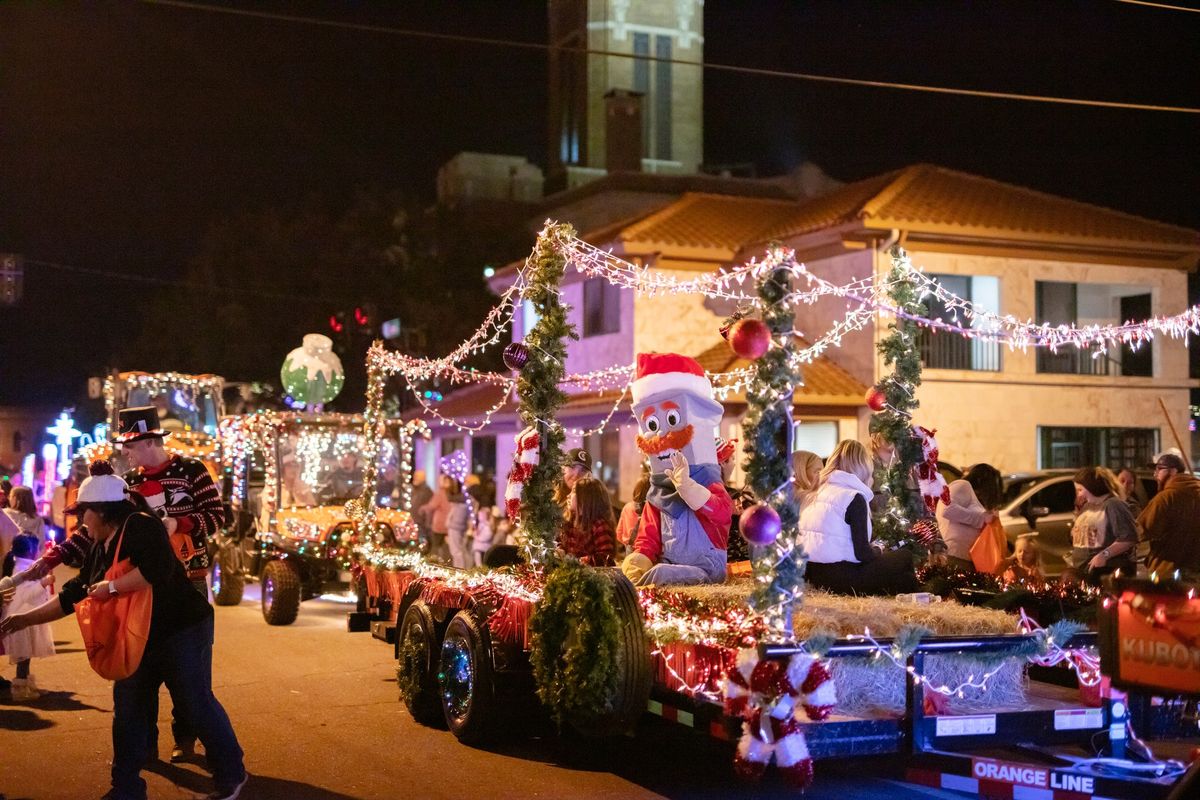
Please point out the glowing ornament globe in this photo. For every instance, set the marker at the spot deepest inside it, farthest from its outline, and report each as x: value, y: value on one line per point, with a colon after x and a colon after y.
x: 760, y: 525
x: 515, y: 356
x: 876, y: 400
x: 750, y: 338
x: 312, y: 374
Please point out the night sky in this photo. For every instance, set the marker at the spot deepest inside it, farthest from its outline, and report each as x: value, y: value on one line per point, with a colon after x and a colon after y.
x: 126, y: 129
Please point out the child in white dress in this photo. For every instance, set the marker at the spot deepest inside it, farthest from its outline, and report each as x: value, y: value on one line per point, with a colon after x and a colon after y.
x: 36, y: 641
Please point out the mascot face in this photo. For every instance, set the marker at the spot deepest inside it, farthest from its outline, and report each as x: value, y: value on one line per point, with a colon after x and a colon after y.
x: 675, y: 423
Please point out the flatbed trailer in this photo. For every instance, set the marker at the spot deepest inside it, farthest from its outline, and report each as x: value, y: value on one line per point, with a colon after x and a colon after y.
x: 1043, y: 750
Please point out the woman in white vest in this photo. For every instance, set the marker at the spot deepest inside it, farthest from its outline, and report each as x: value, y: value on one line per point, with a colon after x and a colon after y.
x: 835, y: 526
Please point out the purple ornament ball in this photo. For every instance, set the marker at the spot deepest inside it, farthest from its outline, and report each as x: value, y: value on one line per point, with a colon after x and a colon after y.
x: 515, y: 355
x: 760, y: 525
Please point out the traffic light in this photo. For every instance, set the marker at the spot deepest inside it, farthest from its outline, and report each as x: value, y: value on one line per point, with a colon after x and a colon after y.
x: 337, y: 322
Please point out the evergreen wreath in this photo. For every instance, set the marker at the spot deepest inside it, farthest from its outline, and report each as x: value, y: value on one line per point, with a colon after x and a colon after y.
x: 408, y: 668
x: 573, y: 643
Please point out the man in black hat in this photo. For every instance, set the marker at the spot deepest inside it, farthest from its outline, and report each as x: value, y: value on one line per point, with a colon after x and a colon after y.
x: 578, y: 464
x: 181, y: 491
x: 1168, y: 522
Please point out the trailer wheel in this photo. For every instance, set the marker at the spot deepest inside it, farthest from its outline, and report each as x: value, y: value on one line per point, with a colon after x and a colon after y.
x: 280, y: 593
x: 633, y: 665
x: 416, y: 669
x: 228, y: 582
x: 465, y: 679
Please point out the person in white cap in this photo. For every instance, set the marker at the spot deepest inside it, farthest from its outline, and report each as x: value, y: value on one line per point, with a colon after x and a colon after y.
x: 685, y: 523
x: 179, y: 645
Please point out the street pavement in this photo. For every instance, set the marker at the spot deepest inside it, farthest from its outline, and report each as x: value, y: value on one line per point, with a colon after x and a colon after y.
x: 317, y: 713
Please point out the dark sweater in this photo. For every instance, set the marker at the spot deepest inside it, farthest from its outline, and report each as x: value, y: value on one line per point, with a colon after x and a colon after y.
x: 177, y: 605
x: 857, y: 517
x: 193, y: 499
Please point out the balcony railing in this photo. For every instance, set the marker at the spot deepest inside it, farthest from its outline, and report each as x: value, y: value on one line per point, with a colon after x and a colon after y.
x: 1072, y: 361
x: 951, y: 351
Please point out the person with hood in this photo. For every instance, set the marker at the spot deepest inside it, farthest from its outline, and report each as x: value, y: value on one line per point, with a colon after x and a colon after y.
x: 960, y: 522
x: 835, y: 528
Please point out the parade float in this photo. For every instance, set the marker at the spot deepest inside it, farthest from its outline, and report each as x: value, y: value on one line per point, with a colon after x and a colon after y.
x: 976, y: 699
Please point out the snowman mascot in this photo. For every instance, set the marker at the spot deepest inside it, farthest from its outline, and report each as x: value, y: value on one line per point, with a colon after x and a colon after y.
x: 684, y: 527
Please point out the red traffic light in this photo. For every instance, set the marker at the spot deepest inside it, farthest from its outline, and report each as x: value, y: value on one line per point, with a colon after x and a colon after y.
x: 335, y: 324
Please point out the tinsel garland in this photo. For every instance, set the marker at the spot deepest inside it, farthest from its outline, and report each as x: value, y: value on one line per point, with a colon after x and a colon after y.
x: 893, y: 425
x: 1051, y: 599
x: 538, y: 388
x: 779, y: 566
x: 706, y: 623
x: 573, y: 643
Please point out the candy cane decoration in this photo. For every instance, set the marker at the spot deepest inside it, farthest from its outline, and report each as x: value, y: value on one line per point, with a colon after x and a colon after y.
x: 525, y: 458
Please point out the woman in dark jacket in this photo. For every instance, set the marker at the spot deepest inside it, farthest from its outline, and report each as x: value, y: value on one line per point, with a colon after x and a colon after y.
x: 178, y: 648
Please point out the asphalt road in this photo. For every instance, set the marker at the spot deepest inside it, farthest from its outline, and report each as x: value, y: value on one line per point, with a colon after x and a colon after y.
x: 317, y: 713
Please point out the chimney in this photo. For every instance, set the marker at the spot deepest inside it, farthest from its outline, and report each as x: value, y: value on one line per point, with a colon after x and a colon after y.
x: 623, y: 131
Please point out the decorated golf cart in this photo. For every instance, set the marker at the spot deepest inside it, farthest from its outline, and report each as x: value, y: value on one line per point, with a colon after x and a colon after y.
x: 288, y: 477
x: 977, y: 699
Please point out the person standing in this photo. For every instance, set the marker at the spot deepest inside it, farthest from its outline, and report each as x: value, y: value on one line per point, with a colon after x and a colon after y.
x: 1104, y: 535
x: 458, y: 522
x: 1168, y: 522
x: 1131, y: 491
x: 23, y: 512
x: 182, y: 492
x: 421, y: 494
x: 577, y: 464
x: 179, y: 645
x: 436, y: 510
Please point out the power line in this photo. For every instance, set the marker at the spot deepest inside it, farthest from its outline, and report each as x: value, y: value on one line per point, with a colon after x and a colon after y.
x: 1166, y: 6
x: 756, y: 71
x: 190, y: 286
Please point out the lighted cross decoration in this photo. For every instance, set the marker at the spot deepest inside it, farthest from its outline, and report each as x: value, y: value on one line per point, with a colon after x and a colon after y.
x: 64, y: 432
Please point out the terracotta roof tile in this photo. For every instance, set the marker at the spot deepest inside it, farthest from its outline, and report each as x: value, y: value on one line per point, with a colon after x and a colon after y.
x: 932, y: 199
x: 824, y: 380
x: 707, y: 220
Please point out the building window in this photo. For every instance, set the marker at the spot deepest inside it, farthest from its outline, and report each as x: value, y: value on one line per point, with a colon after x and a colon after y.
x: 601, y: 307
x: 451, y: 444
x: 18, y: 442
x: 641, y: 83
x: 662, y: 98
x: 946, y: 350
x: 1080, y: 304
x: 605, y: 450
x: 483, y: 455
x: 819, y: 436
x: 1071, y: 448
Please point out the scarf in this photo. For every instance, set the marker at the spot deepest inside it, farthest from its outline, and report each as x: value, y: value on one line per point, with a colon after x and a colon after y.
x: 665, y: 498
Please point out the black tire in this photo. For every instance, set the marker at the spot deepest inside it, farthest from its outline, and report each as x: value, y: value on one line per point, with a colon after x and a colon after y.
x: 280, y: 593
x: 633, y: 664
x: 466, y: 684
x: 421, y: 647
x: 228, y: 582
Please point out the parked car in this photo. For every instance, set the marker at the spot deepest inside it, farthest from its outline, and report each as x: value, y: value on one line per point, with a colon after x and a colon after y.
x: 1044, y: 502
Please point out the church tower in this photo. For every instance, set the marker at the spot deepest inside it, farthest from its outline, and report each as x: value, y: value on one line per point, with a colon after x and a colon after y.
x: 639, y: 40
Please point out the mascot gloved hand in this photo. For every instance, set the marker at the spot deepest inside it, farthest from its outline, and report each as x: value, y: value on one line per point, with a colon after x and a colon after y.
x: 685, y: 523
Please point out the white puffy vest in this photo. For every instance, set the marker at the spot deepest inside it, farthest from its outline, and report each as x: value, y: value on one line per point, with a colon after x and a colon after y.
x: 822, y: 525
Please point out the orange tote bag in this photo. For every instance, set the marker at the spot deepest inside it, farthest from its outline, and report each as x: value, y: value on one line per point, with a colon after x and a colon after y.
x: 990, y: 548
x: 115, y: 629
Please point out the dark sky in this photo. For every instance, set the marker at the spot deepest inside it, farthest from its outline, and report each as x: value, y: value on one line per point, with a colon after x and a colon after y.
x: 126, y: 128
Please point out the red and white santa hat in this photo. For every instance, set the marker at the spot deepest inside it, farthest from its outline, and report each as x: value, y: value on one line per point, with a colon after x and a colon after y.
x: 661, y: 374
x: 156, y: 498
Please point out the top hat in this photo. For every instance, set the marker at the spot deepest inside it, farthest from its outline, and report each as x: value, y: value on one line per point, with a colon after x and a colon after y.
x: 135, y: 424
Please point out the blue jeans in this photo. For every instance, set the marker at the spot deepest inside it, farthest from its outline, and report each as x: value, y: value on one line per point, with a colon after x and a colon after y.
x: 183, y: 662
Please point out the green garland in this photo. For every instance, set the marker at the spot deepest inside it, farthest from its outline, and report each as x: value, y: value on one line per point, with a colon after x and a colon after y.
x: 778, y: 567
x: 538, y: 387
x: 573, y: 643
x: 893, y: 425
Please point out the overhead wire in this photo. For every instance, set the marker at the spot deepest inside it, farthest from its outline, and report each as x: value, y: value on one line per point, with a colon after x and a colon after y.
x: 732, y: 68
x: 189, y: 285
x: 1164, y: 6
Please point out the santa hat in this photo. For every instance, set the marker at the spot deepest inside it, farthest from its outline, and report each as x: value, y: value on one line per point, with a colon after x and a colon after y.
x: 660, y: 374
x: 155, y: 497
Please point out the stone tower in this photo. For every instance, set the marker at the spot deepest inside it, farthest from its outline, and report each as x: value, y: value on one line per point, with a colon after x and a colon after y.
x: 642, y: 37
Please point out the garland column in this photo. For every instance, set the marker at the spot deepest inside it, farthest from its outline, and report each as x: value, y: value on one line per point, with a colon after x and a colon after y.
x: 778, y: 564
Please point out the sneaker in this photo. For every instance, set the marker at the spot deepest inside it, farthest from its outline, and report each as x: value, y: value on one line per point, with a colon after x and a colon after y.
x: 230, y: 793
x: 21, y: 690
x: 183, y: 751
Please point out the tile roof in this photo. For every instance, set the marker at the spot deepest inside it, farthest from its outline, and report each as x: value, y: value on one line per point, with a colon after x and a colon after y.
x: 824, y: 381
x: 708, y: 220
x: 931, y: 199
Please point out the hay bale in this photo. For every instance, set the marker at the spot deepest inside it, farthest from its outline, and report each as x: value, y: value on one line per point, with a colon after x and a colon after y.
x: 866, y: 687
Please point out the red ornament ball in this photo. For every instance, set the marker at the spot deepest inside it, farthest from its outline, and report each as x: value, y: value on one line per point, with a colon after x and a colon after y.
x: 515, y: 355
x: 876, y: 400
x: 750, y: 338
x: 760, y: 524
